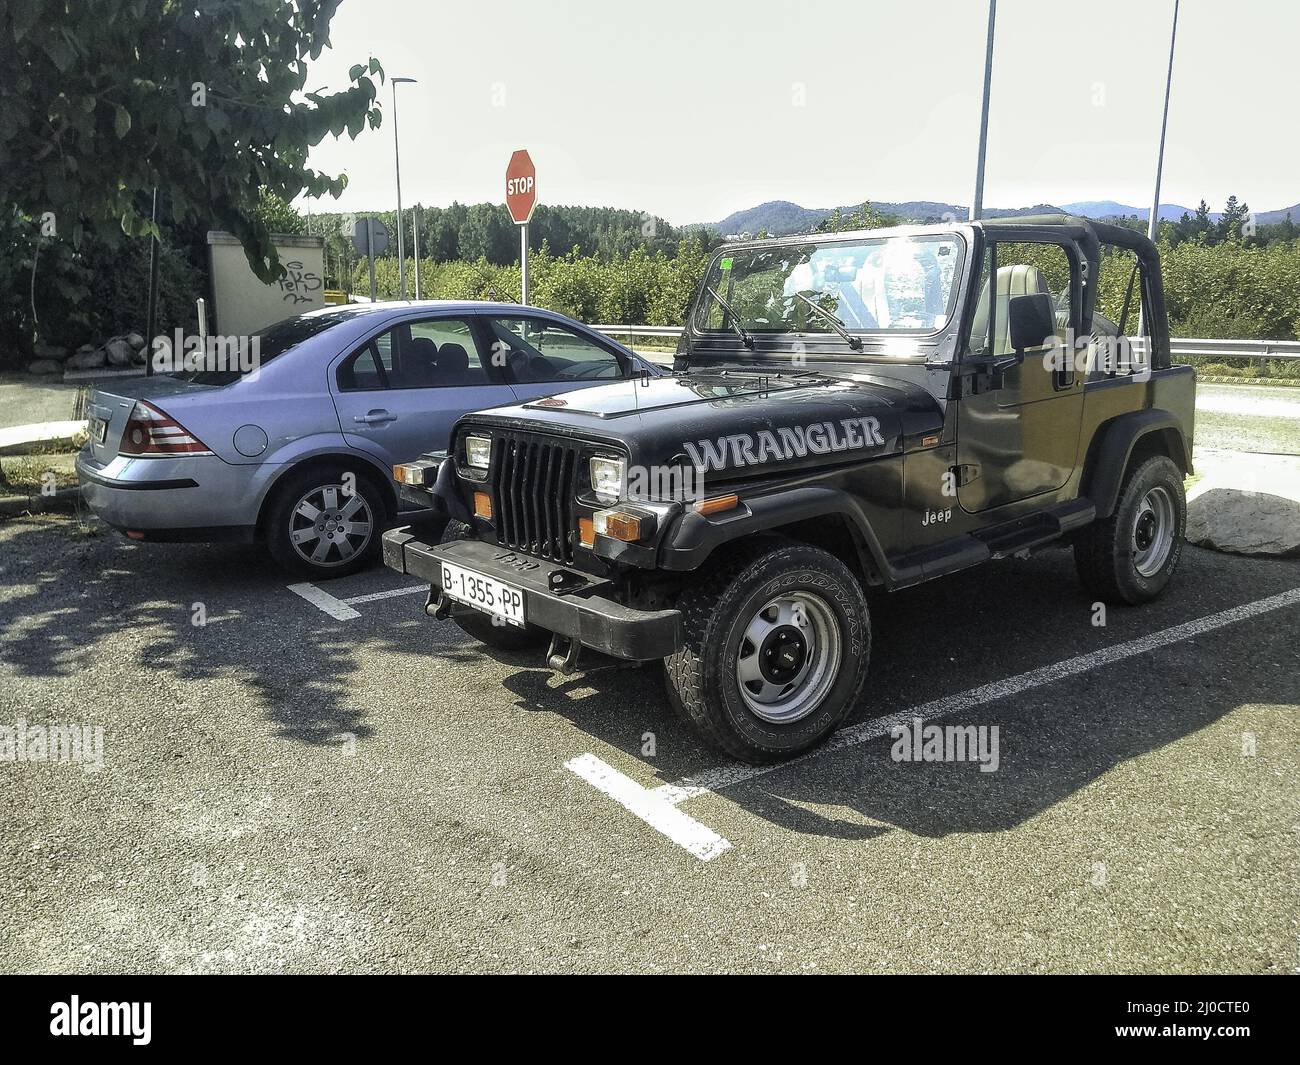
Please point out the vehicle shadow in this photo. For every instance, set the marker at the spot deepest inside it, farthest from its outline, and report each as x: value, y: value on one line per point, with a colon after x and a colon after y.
x: 209, y: 614
x: 948, y: 637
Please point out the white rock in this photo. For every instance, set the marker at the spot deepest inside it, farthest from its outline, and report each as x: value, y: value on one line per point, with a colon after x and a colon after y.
x: 1245, y: 523
x: 135, y: 340
x: 119, y: 352
x: 88, y: 360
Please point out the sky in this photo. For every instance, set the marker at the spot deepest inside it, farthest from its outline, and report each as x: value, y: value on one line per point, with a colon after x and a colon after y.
x: 691, y: 109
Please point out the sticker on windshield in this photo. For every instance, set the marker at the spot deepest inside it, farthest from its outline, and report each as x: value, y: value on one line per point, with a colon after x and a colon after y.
x: 785, y: 444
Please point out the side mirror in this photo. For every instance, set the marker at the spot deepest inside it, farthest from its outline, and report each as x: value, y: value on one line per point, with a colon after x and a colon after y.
x: 1031, y: 320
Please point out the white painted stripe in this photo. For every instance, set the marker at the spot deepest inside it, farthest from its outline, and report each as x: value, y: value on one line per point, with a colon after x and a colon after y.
x: 391, y: 594
x: 727, y: 776
x: 659, y: 814
x: 335, y: 608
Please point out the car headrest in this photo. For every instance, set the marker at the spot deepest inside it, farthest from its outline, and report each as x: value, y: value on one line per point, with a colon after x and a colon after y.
x: 452, y: 358
x: 1019, y: 279
x: 423, y: 350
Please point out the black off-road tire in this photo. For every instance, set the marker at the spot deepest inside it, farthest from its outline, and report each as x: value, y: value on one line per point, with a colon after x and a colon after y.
x: 1104, y: 552
x: 702, y: 681
x: 279, y: 512
x: 479, y: 625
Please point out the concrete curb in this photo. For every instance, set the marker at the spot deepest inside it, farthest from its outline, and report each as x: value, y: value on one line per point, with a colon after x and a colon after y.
x: 65, y: 499
x: 1268, y: 382
x: 21, y: 439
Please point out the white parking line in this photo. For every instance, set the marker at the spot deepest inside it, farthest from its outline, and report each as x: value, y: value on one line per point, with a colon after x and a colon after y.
x: 322, y: 600
x: 662, y: 816
x: 374, y: 597
x: 649, y: 804
x: 725, y: 776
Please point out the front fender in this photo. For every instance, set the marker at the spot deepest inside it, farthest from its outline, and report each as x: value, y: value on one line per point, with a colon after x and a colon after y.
x: 696, y: 535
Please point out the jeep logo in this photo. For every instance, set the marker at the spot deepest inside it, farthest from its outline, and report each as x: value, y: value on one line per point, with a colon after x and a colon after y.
x: 509, y: 558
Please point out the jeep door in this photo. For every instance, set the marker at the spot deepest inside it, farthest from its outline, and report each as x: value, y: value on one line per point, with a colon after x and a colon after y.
x: 1018, y: 437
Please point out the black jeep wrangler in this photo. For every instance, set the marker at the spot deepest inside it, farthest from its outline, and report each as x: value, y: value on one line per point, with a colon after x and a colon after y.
x: 847, y: 410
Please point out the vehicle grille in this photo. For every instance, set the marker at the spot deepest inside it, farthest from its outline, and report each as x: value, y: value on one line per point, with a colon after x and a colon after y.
x: 534, y: 485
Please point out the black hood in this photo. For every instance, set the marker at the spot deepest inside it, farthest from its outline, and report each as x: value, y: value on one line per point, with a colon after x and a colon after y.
x: 739, y: 422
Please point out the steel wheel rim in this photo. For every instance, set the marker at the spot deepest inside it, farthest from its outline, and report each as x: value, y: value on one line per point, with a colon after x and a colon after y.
x: 1153, y: 531
x: 789, y: 657
x: 329, y: 527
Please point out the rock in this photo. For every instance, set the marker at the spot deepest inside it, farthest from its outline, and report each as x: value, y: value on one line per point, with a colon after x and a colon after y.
x: 88, y: 360
x: 140, y: 357
x: 50, y: 351
x: 85, y: 348
x: 45, y: 366
x: 1244, y: 523
x: 119, y: 352
x: 135, y: 340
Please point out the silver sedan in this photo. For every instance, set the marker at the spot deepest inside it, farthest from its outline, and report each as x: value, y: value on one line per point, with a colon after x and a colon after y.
x: 299, y: 452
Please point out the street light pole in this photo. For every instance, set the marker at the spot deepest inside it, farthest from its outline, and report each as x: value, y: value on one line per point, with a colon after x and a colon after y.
x: 977, y: 201
x: 1153, y: 223
x: 397, y: 158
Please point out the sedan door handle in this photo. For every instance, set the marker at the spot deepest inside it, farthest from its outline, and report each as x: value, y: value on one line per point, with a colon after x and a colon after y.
x: 374, y: 417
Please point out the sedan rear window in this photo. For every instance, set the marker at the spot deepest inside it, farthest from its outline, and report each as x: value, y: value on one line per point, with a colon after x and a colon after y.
x: 274, y: 341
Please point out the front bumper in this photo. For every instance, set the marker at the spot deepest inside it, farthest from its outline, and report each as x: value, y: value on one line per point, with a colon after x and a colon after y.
x: 556, y: 598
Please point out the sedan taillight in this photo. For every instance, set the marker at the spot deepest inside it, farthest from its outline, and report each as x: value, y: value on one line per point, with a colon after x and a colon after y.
x: 151, y: 432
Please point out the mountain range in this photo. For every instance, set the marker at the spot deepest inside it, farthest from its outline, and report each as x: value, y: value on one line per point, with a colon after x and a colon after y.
x: 779, y: 217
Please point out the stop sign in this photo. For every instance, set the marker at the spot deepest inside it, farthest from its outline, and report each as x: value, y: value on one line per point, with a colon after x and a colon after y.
x: 521, y: 187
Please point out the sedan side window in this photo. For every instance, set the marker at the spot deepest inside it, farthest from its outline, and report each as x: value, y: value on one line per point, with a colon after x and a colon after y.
x: 534, y: 351
x: 363, y: 370
x: 434, y: 353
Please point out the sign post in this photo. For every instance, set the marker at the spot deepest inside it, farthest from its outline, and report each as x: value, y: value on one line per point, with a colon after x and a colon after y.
x: 370, y: 238
x: 521, y: 199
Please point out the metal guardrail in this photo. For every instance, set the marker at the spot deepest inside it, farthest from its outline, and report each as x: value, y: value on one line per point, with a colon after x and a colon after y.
x: 1179, y: 346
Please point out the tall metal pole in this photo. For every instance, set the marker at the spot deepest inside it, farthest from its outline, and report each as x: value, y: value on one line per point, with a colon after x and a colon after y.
x: 1153, y: 223
x: 523, y: 264
x: 397, y: 158
x: 977, y: 201
x: 415, y: 236
x: 151, y: 309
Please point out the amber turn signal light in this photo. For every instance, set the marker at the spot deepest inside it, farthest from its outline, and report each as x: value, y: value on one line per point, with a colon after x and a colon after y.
x: 617, y: 525
x: 482, y: 505
x: 586, y: 532
x: 414, y: 474
x: 717, y: 504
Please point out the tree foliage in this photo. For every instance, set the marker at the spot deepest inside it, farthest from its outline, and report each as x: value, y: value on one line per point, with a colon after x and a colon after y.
x: 104, y: 100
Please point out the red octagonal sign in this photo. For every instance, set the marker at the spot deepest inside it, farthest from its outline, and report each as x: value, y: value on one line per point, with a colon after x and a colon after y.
x: 521, y: 187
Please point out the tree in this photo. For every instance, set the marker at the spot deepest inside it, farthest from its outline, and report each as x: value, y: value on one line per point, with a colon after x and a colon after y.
x: 865, y: 217
x: 104, y: 100
x: 1232, y: 225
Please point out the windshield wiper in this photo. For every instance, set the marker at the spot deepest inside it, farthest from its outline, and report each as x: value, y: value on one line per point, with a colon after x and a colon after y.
x: 854, y: 342
x: 733, y: 319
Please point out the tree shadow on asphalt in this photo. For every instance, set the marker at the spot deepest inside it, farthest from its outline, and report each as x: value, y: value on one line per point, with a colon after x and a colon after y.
x: 929, y: 642
x: 950, y: 636
x: 98, y: 587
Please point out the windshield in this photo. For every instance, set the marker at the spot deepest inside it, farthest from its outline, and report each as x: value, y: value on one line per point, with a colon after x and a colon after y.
x: 887, y: 284
x: 272, y: 342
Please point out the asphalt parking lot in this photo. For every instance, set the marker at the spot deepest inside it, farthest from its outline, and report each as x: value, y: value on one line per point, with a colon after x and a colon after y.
x: 324, y: 780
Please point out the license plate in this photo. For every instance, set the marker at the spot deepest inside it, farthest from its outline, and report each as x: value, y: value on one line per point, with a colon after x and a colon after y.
x: 98, y: 430
x: 483, y: 593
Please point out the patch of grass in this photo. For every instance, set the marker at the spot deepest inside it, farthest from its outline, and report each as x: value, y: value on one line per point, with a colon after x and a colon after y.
x: 25, y: 474
x: 1247, y: 370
